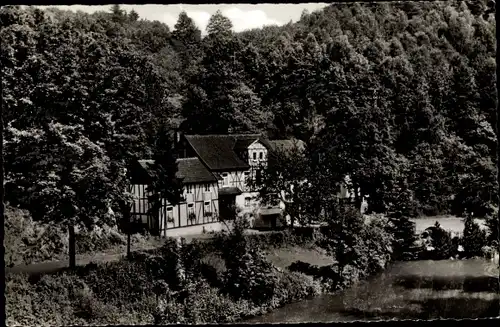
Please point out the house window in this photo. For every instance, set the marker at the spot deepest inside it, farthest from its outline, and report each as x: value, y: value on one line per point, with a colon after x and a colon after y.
x: 260, y: 155
x: 170, y: 214
x: 190, y: 208
x: 225, y: 177
x: 207, y: 187
x: 254, y: 155
x: 207, y: 206
x: 189, y: 189
x: 191, y: 214
x: 258, y: 176
x: 247, y: 201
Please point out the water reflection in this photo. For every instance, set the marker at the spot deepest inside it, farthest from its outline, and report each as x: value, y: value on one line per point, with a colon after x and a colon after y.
x: 406, y: 290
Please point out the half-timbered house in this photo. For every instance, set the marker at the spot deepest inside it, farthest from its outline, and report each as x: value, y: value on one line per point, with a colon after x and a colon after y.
x: 234, y: 159
x: 200, y: 204
x: 216, y: 170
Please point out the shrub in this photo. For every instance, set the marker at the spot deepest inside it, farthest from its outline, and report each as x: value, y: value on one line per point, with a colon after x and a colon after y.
x: 474, y: 239
x: 441, y: 243
x: 52, y: 300
x: 28, y: 241
x: 379, y: 242
x: 213, y: 269
x: 116, y: 281
x: 326, y: 276
x: 98, y: 239
x: 19, y: 295
x: 114, y: 293
x: 249, y: 275
x: 344, y: 237
x: 206, y: 304
x: 294, y: 286
x: 176, y: 283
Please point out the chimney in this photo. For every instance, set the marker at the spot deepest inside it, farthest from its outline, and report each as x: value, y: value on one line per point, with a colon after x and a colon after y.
x: 177, y: 144
x: 177, y: 137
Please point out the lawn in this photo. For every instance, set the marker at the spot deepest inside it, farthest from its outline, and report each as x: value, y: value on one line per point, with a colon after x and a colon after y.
x: 284, y: 257
x: 449, y: 223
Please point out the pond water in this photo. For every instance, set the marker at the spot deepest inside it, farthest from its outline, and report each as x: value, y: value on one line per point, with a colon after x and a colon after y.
x: 406, y: 290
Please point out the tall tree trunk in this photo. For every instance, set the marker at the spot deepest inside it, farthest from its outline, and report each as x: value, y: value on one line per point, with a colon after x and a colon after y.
x: 357, y: 197
x: 126, y: 215
x: 292, y: 219
x: 72, y: 246
x: 129, y: 231
x: 293, y: 212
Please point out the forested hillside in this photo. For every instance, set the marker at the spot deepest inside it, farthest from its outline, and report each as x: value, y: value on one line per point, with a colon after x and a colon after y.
x: 400, y: 96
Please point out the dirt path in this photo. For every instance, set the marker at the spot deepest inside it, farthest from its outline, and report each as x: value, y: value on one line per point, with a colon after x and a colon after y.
x: 113, y: 255
x: 81, y: 260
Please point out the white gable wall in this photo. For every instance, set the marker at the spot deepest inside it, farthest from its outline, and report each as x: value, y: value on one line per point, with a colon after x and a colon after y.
x: 258, y: 150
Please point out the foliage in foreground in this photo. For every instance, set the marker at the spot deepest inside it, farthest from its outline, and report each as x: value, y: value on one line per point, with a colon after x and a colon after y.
x: 170, y: 285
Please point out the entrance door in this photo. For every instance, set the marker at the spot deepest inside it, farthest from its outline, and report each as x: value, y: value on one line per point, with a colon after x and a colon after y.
x: 226, y: 207
x: 273, y: 221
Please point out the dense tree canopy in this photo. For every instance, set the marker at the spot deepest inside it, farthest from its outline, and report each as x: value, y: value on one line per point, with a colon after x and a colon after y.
x: 399, y: 96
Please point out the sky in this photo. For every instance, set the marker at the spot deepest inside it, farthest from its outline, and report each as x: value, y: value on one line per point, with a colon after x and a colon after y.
x: 243, y: 16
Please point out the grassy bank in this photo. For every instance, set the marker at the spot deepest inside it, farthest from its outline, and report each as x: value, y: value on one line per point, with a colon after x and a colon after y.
x: 27, y: 241
x: 455, y: 225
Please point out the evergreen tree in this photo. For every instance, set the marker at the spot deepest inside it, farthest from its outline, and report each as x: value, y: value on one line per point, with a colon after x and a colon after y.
x: 492, y: 222
x: 213, y: 104
x: 441, y: 242
x: 404, y: 233
x: 133, y: 16
x: 219, y: 25
x: 474, y: 238
x: 186, y: 40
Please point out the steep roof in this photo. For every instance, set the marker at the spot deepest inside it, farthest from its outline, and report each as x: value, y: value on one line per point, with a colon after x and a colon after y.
x: 218, y: 152
x: 191, y: 170
x: 243, y: 144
